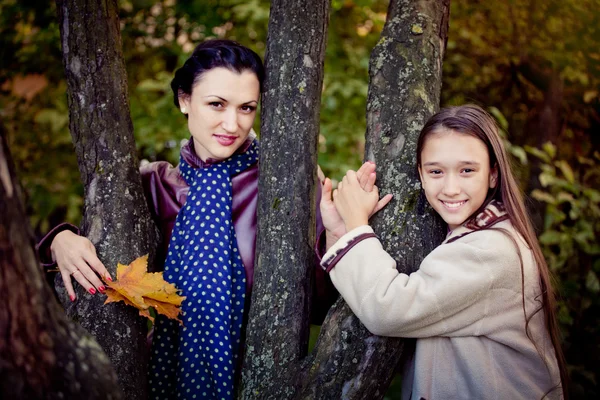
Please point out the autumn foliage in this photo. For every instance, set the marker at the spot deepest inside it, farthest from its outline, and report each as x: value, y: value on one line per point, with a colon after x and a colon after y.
x: 139, y: 288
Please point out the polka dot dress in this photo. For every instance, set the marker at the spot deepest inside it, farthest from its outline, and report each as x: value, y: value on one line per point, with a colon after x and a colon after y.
x: 198, y: 360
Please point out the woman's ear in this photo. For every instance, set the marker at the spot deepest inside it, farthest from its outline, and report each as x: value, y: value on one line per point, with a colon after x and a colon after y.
x: 494, y: 176
x: 421, y: 176
x: 184, y: 102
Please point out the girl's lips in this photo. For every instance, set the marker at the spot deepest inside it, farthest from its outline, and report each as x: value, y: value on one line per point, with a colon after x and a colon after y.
x: 225, y: 140
x: 453, y: 205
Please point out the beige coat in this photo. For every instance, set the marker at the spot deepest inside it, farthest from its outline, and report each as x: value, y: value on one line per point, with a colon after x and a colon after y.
x: 464, y: 305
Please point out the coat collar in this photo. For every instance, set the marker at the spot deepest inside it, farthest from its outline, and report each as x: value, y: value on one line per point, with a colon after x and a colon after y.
x: 493, y: 213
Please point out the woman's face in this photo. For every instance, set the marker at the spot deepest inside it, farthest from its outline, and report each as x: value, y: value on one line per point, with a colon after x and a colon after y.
x: 221, y: 111
x: 455, y: 175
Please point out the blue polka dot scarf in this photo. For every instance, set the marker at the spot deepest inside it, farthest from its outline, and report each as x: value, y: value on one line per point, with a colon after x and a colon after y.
x: 198, y: 360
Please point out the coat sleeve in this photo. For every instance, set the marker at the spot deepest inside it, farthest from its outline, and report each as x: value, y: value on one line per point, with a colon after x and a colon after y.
x: 449, y: 295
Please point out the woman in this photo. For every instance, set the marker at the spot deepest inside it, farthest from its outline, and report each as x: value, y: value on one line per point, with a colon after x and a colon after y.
x: 206, y: 211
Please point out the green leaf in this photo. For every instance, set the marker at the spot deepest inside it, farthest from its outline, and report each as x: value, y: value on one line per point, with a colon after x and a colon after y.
x: 592, y: 283
x: 592, y: 194
x: 565, y: 168
x: 550, y: 237
x: 547, y: 179
x: 502, y: 122
x: 538, y: 153
x: 550, y: 149
x: 543, y: 196
x: 519, y: 153
x: 564, y: 197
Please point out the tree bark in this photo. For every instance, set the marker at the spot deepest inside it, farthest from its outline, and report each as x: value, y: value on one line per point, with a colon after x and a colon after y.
x: 348, y: 362
x: 116, y: 217
x: 42, y: 354
x: 278, y: 329
x: 405, y: 82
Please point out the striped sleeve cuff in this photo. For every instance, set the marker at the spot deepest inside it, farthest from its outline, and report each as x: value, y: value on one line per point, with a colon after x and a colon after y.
x: 344, y: 244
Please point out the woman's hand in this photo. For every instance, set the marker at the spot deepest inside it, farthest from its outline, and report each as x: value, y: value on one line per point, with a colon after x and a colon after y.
x: 76, y: 257
x: 354, y: 203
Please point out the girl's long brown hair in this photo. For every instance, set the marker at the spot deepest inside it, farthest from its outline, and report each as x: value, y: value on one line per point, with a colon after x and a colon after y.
x: 474, y: 121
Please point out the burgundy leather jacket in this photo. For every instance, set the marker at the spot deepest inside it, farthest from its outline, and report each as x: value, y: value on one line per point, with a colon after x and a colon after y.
x: 166, y: 192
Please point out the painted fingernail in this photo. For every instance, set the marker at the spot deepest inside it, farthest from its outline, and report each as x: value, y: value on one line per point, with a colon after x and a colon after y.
x: 101, y: 289
x: 72, y: 297
x: 92, y: 291
x: 108, y: 278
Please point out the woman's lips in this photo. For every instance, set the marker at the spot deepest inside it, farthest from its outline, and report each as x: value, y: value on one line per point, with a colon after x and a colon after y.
x: 225, y: 140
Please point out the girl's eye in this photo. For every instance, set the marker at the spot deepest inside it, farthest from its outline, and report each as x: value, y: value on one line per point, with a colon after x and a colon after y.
x: 248, y: 109
x: 468, y: 170
x: 435, y: 172
x: 216, y: 104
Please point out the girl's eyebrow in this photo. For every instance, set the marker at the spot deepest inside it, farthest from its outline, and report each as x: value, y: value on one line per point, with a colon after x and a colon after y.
x: 436, y: 163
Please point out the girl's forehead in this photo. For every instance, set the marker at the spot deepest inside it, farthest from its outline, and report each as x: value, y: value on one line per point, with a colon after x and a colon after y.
x: 449, y: 145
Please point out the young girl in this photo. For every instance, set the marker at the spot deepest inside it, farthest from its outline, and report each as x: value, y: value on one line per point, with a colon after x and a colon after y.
x: 480, y: 305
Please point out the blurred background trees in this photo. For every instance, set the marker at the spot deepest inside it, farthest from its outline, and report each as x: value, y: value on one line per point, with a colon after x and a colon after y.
x: 534, y: 63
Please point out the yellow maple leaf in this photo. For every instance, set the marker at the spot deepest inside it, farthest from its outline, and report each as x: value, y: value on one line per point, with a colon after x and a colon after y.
x: 139, y: 288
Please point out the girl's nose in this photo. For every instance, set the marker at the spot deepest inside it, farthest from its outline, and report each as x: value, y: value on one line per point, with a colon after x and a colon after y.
x: 451, y: 185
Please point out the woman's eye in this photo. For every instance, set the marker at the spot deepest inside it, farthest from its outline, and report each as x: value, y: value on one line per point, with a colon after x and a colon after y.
x: 468, y: 170
x: 435, y: 172
x: 248, y: 109
x: 216, y: 104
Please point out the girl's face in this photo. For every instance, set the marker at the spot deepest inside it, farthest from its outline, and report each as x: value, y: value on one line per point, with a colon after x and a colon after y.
x: 455, y: 174
x: 221, y: 111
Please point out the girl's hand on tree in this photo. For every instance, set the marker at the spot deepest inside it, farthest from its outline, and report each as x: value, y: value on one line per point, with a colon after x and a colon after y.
x: 354, y: 203
x: 333, y: 223
x: 76, y: 257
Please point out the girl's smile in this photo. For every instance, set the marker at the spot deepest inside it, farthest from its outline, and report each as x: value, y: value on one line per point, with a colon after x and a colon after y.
x: 455, y: 174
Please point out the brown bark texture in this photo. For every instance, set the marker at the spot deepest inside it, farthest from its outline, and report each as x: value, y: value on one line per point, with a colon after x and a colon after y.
x: 348, y: 362
x: 116, y: 217
x: 278, y: 329
x: 43, y: 355
x: 404, y: 91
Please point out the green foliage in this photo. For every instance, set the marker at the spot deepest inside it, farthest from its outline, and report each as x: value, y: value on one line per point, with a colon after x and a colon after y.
x: 570, y: 242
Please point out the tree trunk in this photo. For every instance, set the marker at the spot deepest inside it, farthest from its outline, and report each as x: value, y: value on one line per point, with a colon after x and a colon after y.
x: 278, y: 331
x: 116, y: 217
x: 348, y: 362
x: 42, y: 354
x: 544, y: 124
x: 404, y: 91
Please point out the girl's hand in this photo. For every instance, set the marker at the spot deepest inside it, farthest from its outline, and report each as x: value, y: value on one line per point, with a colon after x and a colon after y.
x: 333, y: 223
x: 76, y: 257
x: 356, y: 205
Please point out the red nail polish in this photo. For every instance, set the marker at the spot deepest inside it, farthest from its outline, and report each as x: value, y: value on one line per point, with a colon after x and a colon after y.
x: 108, y: 278
x: 72, y: 298
x: 92, y: 291
x: 101, y: 289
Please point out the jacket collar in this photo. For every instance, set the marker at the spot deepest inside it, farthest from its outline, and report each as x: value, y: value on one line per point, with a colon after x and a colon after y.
x: 493, y: 213
x: 189, y: 153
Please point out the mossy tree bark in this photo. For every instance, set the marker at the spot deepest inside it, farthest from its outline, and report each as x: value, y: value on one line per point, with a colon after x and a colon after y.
x: 278, y: 331
x: 116, y: 217
x: 43, y: 355
x: 349, y: 362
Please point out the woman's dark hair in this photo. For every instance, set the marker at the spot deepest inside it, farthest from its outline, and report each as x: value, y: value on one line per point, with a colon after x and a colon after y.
x: 215, y: 54
x: 474, y: 121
